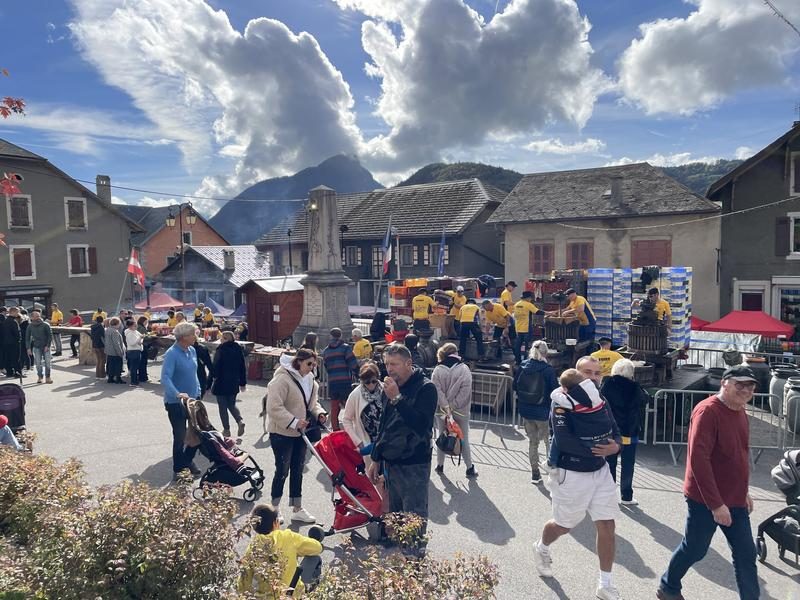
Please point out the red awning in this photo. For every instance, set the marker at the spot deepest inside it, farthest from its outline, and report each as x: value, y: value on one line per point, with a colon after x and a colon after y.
x: 751, y: 321
x: 160, y: 301
x: 698, y: 324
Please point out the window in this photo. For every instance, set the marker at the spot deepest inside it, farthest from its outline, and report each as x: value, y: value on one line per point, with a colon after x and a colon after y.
x: 81, y: 260
x: 23, y: 262
x: 277, y: 257
x: 187, y: 237
x: 540, y: 258
x: 352, y: 256
x: 75, y: 213
x: 19, y: 212
x: 580, y: 255
x: 645, y: 253
x: 408, y: 255
x: 794, y: 178
x: 377, y: 261
x: 434, y: 254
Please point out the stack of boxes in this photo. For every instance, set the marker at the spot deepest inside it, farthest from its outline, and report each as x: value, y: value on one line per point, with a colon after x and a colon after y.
x: 623, y: 284
x: 675, y: 286
x: 600, y: 292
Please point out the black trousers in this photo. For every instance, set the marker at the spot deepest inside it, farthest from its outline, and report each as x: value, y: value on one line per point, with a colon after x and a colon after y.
x: 182, y: 455
x: 290, y: 457
x: 11, y: 359
x: 463, y: 336
x: 74, y: 340
x: 114, y: 368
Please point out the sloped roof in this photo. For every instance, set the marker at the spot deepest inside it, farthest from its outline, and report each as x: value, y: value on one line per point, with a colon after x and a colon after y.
x: 754, y: 160
x: 249, y: 263
x: 9, y: 149
x: 585, y: 194
x: 418, y: 210
x: 282, y: 283
x: 152, y: 219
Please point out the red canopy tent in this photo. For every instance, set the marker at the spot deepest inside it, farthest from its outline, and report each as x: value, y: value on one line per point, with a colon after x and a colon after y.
x: 698, y: 324
x: 751, y: 321
x: 161, y: 301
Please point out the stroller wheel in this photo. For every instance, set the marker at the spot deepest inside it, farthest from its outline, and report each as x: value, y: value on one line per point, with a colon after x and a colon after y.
x: 259, y: 484
x: 250, y: 494
x: 761, y: 549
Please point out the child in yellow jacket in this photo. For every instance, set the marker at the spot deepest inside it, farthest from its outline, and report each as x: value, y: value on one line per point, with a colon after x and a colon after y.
x: 289, y: 546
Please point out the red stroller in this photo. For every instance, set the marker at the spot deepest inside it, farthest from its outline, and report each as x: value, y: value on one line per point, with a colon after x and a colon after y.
x: 358, y: 503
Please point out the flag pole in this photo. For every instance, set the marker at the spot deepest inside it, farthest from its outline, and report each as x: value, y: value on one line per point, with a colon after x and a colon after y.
x: 122, y: 290
x: 383, y: 261
x: 397, y: 248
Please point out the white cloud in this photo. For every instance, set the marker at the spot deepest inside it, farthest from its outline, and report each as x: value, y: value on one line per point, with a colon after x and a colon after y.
x: 744, y: 152
x: 268, y: 97
x: 146, y: 201
x: 451, y: 80
x: 683, y: 65
x: 665, y: 160
x: 556, y: 146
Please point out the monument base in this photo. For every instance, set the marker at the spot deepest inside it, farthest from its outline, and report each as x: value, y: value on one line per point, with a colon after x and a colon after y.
x: 325, y: 306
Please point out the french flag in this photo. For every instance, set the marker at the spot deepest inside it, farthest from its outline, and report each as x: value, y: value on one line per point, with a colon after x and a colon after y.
x: 387, y: 247
x: 135, y: 269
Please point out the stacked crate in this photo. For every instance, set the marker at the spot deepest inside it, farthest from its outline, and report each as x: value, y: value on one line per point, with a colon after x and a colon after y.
x: 600, y: 292
x: 400, y: 299
x: 676, y: 288
x: 621, y: 306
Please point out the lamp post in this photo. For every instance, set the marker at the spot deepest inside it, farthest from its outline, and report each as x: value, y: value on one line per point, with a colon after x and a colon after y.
x: 191, y: 219
x: 291, y: 265
x: 342, y: 230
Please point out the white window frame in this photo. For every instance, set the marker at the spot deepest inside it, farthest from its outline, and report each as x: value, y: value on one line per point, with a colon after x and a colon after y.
x: 751, y: 286
x: 793, y: 216
x: 67, y: 200
x: 191, y: 238
x: 356, y: 256
x: 69, y: 260
x: 30, y: 211
x: 792, y: 174
x: 410, y: 249
x: 11, y: 261
x: 434, y: 256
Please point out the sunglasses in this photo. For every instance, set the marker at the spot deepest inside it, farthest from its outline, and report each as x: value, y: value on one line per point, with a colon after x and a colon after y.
x: 310, y: 363
x: 371, y: 382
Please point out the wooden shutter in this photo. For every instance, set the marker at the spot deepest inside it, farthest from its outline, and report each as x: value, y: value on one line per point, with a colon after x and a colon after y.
x: 358, y: 256
x: 416, y: 254
x: 646, y: 253
x: 426, y: 254
x: 92, y: 260
x: 23, y: 262
x: 20, y: 216
x: 782, y: 236
x: 75, y: 214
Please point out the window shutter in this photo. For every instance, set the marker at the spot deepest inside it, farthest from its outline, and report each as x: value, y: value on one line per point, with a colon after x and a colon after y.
x: 426, y: 254
x: 782, y: 225
x: 92, y: 260
x: 358, y: 256
x: 75, y: 214
x: 20, y: 217
x: 416, y: 255
x: 23, y: 263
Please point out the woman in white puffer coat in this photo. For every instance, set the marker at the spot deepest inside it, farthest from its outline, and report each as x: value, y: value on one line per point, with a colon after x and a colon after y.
x: 453, y: 381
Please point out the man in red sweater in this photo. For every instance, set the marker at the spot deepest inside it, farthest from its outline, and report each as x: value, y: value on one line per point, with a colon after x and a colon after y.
x: 716, y: 486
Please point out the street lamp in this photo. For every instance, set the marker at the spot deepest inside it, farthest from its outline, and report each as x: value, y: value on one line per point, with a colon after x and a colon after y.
x: 291, y: 266
x: 342, y: 230
x: 191, y: 219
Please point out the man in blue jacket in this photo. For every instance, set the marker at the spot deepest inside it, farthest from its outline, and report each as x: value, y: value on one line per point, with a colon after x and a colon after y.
x: 584, y: 434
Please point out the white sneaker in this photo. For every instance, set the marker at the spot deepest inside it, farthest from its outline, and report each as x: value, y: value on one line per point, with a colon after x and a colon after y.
x: 542, y: 561
x: 629, y: 502
x: 608, y: 593
x: 280, y: 518
x: 303, y: 516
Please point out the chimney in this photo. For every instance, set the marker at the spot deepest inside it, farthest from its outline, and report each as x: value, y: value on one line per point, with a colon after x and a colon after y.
x: 616, y: 189
x: 103, y: 184
x: 229, y: 260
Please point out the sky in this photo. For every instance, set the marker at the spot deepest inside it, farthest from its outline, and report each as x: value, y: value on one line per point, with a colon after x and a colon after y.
x: 206, y: 97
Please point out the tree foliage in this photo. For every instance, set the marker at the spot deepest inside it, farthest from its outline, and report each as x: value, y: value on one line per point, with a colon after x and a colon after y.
x: 501, y: 178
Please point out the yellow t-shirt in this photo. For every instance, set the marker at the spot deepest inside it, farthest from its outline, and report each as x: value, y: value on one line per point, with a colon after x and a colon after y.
x: 171, y: 321
x: 458, y: 302
x: 56, y: 317
x: 497, y: 315
x: 581, y: 301
x: 522, y: 315
x: 469, y: 313
x: 506, y: 300
x: 197, y: 313
x: 148, y: 315
x: 662, y: 308
x: 362, y: 349
x: 96, y: 314
x: 208, y: 319
x: 606, y: 358
x: 422, y: 305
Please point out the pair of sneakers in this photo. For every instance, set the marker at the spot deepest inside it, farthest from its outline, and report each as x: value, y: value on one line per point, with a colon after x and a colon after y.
x: 543, y: 562
x: 301, y: 516
x: 239, y: 430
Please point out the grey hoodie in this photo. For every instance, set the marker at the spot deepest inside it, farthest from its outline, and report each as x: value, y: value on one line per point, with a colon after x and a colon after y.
x: 38, y: 335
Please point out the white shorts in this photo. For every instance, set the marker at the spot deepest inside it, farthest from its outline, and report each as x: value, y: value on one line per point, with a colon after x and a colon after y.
x: 575, y: 493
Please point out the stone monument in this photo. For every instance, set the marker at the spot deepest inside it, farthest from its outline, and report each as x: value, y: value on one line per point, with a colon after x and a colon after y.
x: 325, y: 295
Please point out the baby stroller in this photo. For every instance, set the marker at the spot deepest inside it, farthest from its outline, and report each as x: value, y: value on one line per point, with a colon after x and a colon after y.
x: 784, y: 526
x: 12, y: 405
x: 228, y: 461
x: 356, y: 502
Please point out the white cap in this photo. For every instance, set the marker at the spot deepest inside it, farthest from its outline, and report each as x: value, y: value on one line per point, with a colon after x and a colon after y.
x: 460, y: 288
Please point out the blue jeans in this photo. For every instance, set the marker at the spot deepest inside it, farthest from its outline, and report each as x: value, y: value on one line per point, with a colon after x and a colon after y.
x: 628, y: 458
x: 42, y: 356
x: 522, y: 339
x: 134, y: 358
x: 700, y: 528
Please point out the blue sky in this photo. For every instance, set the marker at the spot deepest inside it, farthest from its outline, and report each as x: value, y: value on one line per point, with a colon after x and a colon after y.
x: 173, y: 96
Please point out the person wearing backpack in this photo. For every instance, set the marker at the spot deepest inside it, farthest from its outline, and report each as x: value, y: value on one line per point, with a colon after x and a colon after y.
x: 534, y: 381
x: 453, y: 381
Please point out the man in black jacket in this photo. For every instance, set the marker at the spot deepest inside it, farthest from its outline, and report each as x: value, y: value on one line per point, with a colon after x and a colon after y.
x: 405, y: 435
x: 97, y: 332
x: 11, y: 343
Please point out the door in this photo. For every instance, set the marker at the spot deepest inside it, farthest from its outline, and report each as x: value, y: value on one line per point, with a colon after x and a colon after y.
x: 263, y: 324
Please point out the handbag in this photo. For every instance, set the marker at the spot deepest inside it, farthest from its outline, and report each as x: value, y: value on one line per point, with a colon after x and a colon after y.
x: 313, y: 431
x: 449, y: 441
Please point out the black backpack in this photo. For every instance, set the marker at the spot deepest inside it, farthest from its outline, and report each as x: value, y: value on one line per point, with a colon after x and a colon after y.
x: 531, y: 388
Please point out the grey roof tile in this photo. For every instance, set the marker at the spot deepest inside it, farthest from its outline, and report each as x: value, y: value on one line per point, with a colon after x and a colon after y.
x: 9, y: 149
x: 250, y: 264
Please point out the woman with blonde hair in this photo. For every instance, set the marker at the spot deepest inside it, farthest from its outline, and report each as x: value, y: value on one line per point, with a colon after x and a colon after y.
x: 453, y: 381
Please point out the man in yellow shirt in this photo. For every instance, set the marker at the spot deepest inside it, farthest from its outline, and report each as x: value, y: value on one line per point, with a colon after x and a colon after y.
x: 458, y: 300
x: 56, y: 318
x: 422, y: 305
x: 171, y: 319
x: 362, y: 349
x: 470, y: 323
x: 606, y: 356
x: 524, y: 310
x: 500, y: 318
x: 288, y: 545
x: 662, y: 309
x: 208, y: 318
x: 506, y: 298
x: 148, y: 314
x: 580, y: 307
x: 99, y: 313
x: 198, y: 313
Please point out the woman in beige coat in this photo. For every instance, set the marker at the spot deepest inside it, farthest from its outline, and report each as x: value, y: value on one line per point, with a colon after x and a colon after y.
x: 291, y: 402
x: 361, y: 417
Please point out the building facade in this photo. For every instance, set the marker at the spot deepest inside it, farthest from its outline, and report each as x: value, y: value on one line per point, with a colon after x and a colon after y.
x: 65, y: 244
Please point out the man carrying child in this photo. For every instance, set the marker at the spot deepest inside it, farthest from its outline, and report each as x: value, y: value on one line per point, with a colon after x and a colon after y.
x: 584, y: 433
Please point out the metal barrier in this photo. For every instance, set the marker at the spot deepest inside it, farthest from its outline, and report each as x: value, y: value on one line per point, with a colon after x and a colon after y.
x: 713, y: 357
x: 672, y: 410
x: 493, y: 401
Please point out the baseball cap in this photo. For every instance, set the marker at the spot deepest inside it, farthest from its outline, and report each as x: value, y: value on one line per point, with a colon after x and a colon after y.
x: 512, y: 283
x: 739, y: 373
x: 460, y: 288
x: 569, y: 291
x: 527, y: 294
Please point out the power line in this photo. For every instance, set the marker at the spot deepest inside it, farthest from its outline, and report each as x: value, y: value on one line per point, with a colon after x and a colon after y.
x: 781, y: 16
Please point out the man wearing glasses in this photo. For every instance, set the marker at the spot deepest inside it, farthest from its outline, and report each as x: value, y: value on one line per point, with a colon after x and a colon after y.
x: 716, y: 485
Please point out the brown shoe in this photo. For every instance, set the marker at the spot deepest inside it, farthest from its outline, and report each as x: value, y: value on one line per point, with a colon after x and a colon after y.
x: 662, y: 595
x: 48, y: 380
x: 39, y: 380
x: 240, y: 430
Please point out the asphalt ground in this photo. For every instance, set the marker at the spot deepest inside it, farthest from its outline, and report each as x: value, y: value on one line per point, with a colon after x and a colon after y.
x: 119, y: 432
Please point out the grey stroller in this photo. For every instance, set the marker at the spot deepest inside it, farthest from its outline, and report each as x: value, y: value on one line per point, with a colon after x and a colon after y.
x: 784, y: 526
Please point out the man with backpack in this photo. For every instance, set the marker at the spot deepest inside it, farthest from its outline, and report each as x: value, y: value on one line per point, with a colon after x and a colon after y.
x: 534, y: 381
x: 341, y: 364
